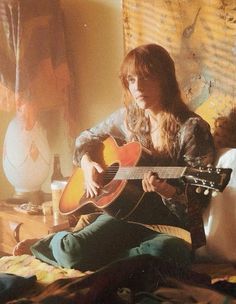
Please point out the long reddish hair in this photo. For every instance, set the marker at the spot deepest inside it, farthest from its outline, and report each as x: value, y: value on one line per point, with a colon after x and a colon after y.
x: 153, y: 60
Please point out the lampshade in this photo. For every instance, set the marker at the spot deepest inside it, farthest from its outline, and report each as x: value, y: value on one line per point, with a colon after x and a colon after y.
x: 26, y: 156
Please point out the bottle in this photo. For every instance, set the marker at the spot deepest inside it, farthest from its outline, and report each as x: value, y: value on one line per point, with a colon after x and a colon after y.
x: 58, y: 183
x: 57, y: 174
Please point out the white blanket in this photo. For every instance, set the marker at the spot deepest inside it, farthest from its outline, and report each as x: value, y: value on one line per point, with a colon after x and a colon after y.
x: 220, y: 216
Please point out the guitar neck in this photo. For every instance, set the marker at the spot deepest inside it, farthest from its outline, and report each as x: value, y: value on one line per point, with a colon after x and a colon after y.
x: 129, y: 173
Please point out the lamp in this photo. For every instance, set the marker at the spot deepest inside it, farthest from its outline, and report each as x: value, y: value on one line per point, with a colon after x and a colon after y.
x: 34, y: 78
x: 26, y: 157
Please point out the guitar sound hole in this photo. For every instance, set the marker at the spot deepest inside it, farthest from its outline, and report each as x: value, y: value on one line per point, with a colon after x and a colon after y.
x: 109, y: 173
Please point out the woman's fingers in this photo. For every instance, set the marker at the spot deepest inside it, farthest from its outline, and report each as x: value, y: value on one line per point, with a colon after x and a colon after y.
x: 91, y: 175
x: 91, y: 189
x: 150, y: 181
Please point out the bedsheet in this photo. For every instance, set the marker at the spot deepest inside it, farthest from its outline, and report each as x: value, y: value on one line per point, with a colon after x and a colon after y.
x: 27, y: 266
x: 68, y: 284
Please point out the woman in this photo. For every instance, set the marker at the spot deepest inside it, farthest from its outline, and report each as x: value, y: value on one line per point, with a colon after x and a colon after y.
x: 156, y: 116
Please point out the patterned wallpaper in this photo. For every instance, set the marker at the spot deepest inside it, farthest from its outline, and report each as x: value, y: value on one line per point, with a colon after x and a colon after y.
x: 201, y: 37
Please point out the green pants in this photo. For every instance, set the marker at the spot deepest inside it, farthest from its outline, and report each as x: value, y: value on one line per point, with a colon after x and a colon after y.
x: 106, y: 240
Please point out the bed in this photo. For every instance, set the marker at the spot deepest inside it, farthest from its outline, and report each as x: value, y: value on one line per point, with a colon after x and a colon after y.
x: 118, y: 281
x: 145, y: 279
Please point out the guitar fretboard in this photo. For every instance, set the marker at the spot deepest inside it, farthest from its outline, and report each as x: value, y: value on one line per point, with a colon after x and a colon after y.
x: 138, y: 172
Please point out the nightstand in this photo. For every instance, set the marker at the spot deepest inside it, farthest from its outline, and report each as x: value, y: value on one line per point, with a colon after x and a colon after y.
x: 16, y: 226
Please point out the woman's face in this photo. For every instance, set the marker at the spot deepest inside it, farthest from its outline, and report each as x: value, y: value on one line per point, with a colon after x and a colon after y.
x: 146, y: 91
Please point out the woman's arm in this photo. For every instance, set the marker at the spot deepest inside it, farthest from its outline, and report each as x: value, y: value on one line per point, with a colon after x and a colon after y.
x: 196, y: 143
x: 87, y: 141
x: 196, y: 148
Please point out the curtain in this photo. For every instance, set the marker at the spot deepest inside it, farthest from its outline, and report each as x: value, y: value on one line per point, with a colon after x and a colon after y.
x: 34, y: 72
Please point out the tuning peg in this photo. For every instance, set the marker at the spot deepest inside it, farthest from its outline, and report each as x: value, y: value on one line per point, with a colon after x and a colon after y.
x: 206, y: 192
x: 198, y: 190
x: 209, y: 169
x: 214, y: 193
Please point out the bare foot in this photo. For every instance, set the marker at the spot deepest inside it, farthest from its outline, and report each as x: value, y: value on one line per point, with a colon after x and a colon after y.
x: 23, y: 247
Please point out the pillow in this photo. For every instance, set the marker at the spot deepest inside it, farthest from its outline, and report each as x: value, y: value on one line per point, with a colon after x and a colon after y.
x: 220, y: 216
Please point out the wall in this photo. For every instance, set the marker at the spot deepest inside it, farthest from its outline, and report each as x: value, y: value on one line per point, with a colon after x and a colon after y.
x: 94, y: 38
x: 200, y: 36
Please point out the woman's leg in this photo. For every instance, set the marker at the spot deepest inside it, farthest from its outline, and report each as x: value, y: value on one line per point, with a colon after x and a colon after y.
x: 92, y: 247
x: 169, y: 248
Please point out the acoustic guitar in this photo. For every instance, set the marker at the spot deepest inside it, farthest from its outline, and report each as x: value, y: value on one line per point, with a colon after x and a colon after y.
x: 121, y: 190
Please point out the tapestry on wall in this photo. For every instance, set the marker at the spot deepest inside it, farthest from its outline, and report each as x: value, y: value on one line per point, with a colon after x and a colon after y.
x: 34, y: 69
x: 201, y: 37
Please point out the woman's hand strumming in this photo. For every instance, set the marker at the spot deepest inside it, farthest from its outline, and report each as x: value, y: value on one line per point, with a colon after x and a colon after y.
x: 91, y: 171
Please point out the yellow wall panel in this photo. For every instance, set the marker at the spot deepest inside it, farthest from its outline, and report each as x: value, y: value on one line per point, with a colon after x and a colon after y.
x: 201, y: 37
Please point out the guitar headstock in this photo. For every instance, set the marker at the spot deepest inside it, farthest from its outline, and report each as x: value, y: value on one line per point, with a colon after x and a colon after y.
x: 208, y: 177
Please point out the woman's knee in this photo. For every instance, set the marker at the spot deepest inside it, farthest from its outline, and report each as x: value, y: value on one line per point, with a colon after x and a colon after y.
x: 176, y: 250
x: 78, y: 250
x: 67, y: 250
x: 169, y: 248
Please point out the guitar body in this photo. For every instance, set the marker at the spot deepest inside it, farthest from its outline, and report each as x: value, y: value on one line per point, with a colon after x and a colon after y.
x: 117, y: 197
x: 121, y: 189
